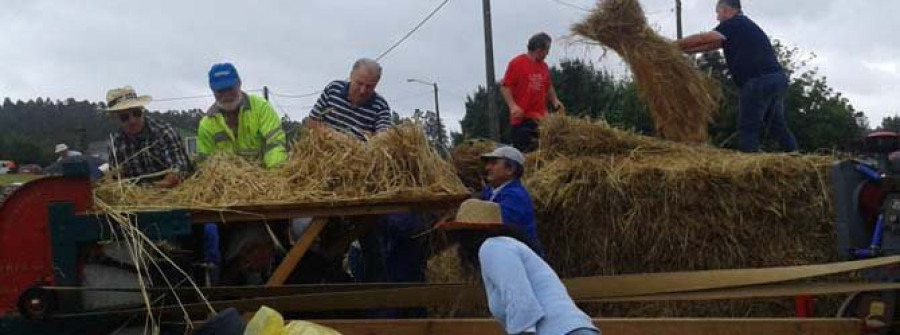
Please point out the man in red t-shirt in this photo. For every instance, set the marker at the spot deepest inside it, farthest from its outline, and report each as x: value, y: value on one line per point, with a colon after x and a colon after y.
x: 527, y: 89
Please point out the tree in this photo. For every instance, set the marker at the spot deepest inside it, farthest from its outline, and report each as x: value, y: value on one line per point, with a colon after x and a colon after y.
x: 435, y: 131
x: 819, y: 117
x: 891, y: 123
x: 475, y: 123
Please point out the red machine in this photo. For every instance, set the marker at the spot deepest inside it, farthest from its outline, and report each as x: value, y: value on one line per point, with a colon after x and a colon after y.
x: 26, y: 258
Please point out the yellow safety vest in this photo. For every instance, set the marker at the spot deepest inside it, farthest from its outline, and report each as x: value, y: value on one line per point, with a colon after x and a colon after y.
x: 259, y: 135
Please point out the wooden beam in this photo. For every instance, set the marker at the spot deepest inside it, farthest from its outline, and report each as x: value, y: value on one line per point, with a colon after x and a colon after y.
x: 297, y: 251
x: 325, y: 209
x: 609, y: 326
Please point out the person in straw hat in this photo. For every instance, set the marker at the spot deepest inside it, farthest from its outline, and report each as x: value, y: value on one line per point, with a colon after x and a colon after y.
x: 755, y: 69
x: 144, y: 149
x: 524, y: 293
x: 62, y: 151
x: 504, y: 168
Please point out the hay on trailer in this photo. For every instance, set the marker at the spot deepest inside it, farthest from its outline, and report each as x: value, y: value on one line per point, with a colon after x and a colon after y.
x: 467, y: 160
x: 681, y: 99
x: 324, y: 166
x: 614, y: 202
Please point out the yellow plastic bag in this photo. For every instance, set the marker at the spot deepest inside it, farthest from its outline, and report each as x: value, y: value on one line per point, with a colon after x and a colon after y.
x: 268, y: 321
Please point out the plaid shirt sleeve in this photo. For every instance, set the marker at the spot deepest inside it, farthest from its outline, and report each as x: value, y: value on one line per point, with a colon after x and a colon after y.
x: 174, y: 156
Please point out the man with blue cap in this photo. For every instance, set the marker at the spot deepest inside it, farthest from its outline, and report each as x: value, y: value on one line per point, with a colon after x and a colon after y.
x: 241, y: 123
x: 248, y: 126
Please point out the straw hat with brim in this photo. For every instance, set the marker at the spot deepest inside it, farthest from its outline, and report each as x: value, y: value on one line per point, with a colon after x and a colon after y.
x: 125, y: 98
x: 61, y: 147
x: 475, y: 214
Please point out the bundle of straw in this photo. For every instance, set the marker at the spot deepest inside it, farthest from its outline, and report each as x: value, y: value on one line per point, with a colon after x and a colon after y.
x: 614, y: 202
x: 681, y: 99
x: 467, y: 160
x: 324, y: 166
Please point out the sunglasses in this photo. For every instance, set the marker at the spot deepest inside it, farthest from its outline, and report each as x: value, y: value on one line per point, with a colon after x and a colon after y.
x: 124, y: 117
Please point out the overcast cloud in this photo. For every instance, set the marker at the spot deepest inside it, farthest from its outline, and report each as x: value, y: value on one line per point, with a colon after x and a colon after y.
x: 79, y: 48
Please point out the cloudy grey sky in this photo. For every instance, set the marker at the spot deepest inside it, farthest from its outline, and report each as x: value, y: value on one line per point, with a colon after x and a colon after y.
x: 80, y: 48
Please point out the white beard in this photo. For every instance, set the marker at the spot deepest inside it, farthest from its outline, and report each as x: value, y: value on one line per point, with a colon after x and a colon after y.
x: 231, y: 105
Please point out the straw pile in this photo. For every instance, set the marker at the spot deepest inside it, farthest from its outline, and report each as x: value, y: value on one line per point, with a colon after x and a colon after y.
x: 681, y: 99
x: 612, y: 202
x: 324, y: 166
x: 467, y: 160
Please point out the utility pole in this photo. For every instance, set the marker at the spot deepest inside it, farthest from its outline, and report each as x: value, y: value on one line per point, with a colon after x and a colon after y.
x: 266, y: 92
x: 493, y: 118
x: 678, y: 18
x: 437, y: 112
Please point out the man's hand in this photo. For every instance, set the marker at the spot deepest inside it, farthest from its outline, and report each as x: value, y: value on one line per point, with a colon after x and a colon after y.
x: 169, y: 181
x: 558, y: 107
x: 516, y: 112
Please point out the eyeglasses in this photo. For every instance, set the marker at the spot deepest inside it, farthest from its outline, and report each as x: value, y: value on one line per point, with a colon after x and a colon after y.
x: 136, y: 113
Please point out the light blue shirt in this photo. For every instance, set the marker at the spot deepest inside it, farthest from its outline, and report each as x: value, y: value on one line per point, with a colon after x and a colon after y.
x: 524, y: 292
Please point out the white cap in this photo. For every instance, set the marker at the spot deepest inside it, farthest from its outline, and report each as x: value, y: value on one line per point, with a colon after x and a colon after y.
x: 507, y: 152
x: 61, y: 147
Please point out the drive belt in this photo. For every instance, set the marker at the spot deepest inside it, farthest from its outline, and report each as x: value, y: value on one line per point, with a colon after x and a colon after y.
x: 699, y: 285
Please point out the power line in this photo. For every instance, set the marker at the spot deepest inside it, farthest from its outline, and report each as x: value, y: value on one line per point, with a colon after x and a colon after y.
x: 296, y: 96
x: 183, y: 98
x: 571, y: 5
x: 430, y: 15
x: 194, y: 97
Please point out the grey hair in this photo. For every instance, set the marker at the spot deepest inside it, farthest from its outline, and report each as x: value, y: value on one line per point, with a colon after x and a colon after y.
x: 368, y: 63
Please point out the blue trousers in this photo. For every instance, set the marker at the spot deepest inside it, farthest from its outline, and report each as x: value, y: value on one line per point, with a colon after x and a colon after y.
x: 762, y: 109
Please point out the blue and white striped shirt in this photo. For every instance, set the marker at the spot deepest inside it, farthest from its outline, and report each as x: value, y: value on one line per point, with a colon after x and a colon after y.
x: 335, y: 110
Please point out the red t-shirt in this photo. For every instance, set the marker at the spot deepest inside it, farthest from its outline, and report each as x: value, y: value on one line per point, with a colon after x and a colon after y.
x: 529, y: 81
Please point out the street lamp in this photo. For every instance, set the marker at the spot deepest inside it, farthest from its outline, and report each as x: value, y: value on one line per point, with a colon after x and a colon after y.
x: 437, y: 108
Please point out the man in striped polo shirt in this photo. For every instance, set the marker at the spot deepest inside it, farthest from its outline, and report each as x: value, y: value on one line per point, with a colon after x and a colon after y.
x: 353, y: 107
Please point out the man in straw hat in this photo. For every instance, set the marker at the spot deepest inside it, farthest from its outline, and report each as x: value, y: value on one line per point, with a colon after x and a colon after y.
x: 527, y: 89
x: 144, y: 149
x: 755, y: 69
x: 238, y: 122
x: 353, y: 107
x: 524, y: 293
x: 504, y: 168
x: 62, y: 151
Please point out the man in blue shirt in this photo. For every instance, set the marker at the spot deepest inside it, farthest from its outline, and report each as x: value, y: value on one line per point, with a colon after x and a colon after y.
x: 504, y: 167
x: 756, y: 71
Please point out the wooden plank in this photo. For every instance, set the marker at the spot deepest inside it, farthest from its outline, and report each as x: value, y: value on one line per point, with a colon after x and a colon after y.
x: 297, y: 251
x: 325, y: 209
x: 608, y: 326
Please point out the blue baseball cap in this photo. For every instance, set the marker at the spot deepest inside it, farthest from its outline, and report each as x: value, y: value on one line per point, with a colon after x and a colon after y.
x: 223, y: 76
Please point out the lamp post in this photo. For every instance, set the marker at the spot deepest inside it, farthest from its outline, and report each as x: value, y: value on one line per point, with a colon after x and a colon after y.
x: 437, y: 108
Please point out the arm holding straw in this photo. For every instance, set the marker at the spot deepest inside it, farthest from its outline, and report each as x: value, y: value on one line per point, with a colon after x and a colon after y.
x: 318, y: 112
x: 514, y: 109
x: 701, y: 42
x: 554, y: 100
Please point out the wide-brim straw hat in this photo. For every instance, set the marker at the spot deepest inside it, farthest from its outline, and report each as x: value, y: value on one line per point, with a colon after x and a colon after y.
x: 475, y: 214
x: 61, y: 147
x: 124, y: 98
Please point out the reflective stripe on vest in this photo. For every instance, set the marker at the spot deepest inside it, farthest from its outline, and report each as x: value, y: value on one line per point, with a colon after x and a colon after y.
x: 221, y: 136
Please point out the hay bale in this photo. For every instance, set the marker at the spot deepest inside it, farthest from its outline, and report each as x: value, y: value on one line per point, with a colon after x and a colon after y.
x: 612, y: 202
x: 681, y: 99
x: 324, y: 166
x: 568, y: 136
x: 467, y: 161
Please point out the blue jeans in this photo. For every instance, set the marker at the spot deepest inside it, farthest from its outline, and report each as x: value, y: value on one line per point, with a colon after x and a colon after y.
x: 762, y: 108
